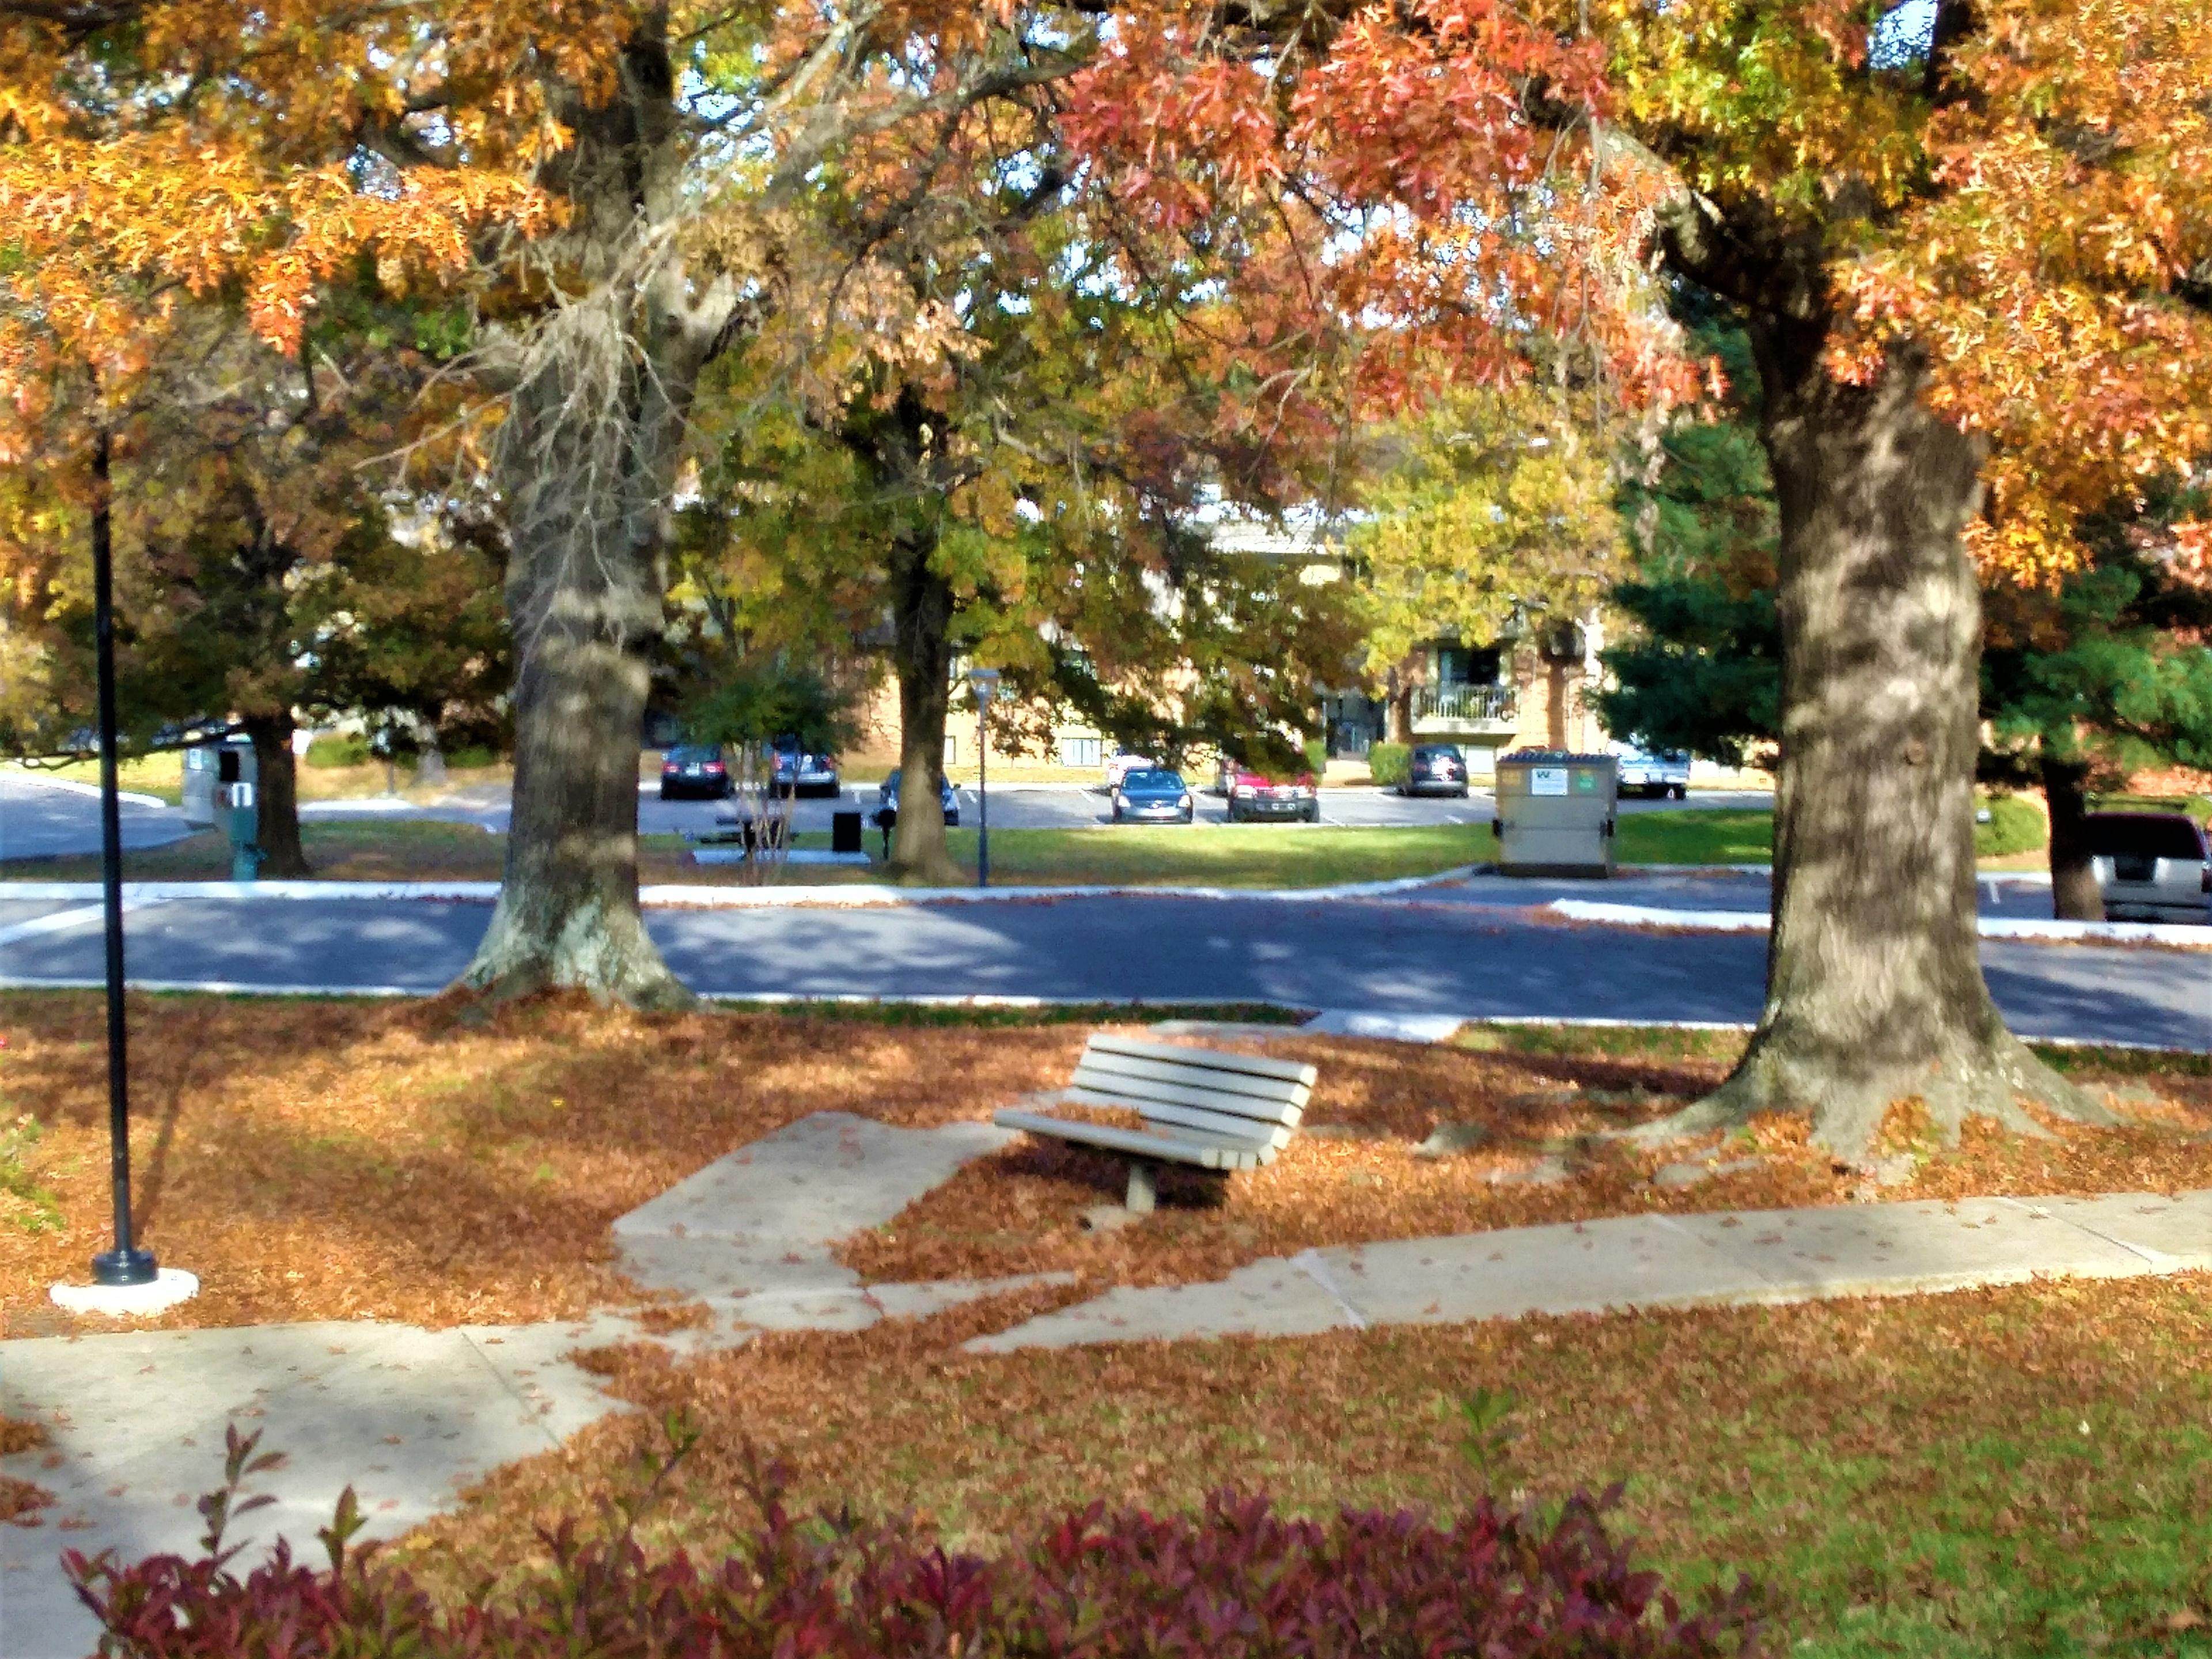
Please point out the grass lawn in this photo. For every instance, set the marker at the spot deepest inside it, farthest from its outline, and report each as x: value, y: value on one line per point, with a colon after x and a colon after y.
x: 1229, y: 855
x: 1695, y: 836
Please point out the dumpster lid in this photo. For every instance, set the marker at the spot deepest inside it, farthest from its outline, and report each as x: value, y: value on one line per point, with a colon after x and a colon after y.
x: 1552, y: 758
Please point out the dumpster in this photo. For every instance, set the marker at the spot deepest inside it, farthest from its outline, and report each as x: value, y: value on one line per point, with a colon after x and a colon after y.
x: 1555, y: 813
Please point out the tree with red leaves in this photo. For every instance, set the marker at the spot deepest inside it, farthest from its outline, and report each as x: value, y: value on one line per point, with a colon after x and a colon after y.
x: 1972, y: 246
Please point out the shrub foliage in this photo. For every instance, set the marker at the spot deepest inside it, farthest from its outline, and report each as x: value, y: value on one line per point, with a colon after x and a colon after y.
x: 1389, y: 764
x: 1236, y: 1580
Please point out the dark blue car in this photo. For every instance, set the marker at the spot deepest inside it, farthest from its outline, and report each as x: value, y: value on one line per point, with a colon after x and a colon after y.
x: 887, y: 799
x: 1155, y: 795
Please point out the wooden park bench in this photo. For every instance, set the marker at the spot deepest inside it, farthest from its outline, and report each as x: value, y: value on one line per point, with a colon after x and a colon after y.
x: 1200, y: 1107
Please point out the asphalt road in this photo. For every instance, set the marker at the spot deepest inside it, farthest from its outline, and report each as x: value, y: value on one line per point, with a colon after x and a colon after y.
x: 45, y: 817
x: 1428, y: 955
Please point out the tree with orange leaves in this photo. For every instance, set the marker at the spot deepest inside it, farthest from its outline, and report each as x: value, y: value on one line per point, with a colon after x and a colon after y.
x: 1971, y: 243
x: 610, y: 187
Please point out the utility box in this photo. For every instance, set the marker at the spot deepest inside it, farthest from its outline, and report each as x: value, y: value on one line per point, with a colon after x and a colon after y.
x: 1555, y: 813
x: 210, y: 768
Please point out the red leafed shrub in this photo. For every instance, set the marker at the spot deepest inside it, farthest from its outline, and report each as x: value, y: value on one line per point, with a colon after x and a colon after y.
x: 1236, y: 1581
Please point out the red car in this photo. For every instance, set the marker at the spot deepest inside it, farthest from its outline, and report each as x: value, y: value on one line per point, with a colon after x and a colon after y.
x: 1254, y: 795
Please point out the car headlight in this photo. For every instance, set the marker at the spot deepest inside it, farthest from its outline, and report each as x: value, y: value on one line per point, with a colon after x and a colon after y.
x: 1310, y: 789
x: 1184, y: 803
x: 1120, y: 801
x: 1244, y: 791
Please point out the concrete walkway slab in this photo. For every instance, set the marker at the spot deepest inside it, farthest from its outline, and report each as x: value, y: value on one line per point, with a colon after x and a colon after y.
x: 404, y: 1416
x: 1887, y: 1249
x: 2172, y: 1234
x: 764, y: 1217
x: 1273, y: 1298
x: 1729, y: 1258
x: 1570, y: 1268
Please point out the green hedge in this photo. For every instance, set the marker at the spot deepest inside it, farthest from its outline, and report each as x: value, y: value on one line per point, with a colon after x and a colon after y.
x: 2013, y: 826
x: 1390, y: 764
x: 345, y: 749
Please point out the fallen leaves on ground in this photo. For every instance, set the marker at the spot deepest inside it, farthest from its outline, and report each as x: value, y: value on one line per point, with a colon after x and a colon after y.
x: 20, y: 1501
x: 430, y: 1162
x: 1353, y: 1173
x: 440, y: 1163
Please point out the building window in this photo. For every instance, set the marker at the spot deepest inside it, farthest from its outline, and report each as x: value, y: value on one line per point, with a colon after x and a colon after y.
x: 952, y: 751
x: 1079, y: 751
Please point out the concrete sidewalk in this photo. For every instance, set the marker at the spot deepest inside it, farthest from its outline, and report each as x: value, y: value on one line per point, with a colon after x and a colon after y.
x: 409, y: 1417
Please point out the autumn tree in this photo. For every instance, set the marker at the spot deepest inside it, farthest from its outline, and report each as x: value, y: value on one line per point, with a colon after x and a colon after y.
x: 610, y: 187
x: 260, y: 574
x: 1024, y: 483
x: 1972, y: 258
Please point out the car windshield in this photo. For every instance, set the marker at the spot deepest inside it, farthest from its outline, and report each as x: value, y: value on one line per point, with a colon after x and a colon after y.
x: 1154, y: 782
x: 692, y: 755
x: 2142, y: 836
x: 1436, y: 754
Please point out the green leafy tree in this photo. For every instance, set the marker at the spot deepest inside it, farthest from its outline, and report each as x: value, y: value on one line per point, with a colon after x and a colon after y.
x: 1492, y: 509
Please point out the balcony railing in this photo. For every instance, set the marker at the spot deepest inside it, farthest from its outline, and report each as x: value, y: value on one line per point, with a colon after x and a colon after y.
x: 1464, y: 702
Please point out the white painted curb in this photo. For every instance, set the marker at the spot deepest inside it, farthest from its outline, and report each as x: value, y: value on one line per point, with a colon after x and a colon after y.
x: 71, y: 786
x: 1757, y: 921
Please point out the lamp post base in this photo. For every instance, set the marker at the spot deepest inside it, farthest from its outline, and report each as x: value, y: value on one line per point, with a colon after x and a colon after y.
x: 164, y: 1290
x: 118, y: 1269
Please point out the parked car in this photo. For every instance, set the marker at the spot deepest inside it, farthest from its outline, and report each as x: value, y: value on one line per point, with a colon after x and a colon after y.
x: 1122, y: 762
x: 887, y: 798
x: 796, y: 771
x: 1660, y: 772
x: 2151, y: 866
x: 694, y: 768
x: 1434, y: 768
x: 1255, y: 795
x: 1155, y: 795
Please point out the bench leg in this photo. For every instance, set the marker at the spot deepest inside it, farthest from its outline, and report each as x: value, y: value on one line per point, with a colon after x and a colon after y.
x: 1142, y: 1192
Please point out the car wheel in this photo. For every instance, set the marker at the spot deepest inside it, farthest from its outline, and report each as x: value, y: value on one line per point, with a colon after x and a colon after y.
x: 666, y: 793
x: 1191, y: 817
x: 1680, y: 792
x: 1461, y: 792
x: 1313, y: 813
x: 1117, y: 815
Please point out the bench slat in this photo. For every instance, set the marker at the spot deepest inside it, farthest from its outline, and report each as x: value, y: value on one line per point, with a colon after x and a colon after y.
x: 1192, y: 1117
x: 1213, y: 1059
x: 1233, y: 1083
x: 1137, y: 1090
x: 1208, y: 1154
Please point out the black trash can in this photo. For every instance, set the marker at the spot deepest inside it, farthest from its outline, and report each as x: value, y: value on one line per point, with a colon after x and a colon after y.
x: 845, y: 832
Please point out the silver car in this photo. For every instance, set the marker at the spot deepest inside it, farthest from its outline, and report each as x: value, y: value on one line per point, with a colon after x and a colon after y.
x: 2151, y: 866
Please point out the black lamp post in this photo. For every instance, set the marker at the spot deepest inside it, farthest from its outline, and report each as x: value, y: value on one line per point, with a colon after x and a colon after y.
x: 983, y: 682
x: 126, y: 1264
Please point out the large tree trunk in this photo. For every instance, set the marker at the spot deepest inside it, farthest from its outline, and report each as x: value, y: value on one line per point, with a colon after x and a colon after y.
x: 1874, y: 989
x: 2074, y: 894
x: 277, y: 797
x: 588, y: 456
x: 1555, y: 693
x: 921, y: 653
